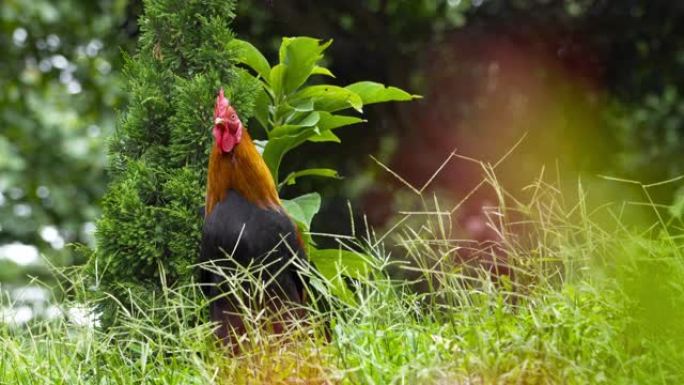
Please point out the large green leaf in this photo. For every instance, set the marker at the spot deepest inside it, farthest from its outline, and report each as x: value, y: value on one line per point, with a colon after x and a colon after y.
x: 291, y: 178
x: 372, y: 92
x: 249, y: 55
x: 304, y: 120
x: 261, y: 105
x: 275, y: 79
x: 329, y: 121
x: 318, y: 70
x: 307, y: 119
x: 277, y: 147
x: 285, y: 130
x: 303, y: 105
x: 300, y: 55
x: 284, y: 138
x: 325, y: 136
x: 303, y: 208
x: 334, y: 264
x: 331, y: 262
x: 338, y: 288
x: 329, y: 98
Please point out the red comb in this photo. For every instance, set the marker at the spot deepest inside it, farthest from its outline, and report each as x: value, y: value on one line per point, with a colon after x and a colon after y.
x: 221, y: 104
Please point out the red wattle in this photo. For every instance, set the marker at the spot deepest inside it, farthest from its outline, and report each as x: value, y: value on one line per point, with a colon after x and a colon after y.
x: 227, y: 142
x: 225, y: 139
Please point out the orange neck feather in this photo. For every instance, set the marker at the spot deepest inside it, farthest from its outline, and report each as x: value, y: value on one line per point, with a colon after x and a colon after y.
x: 242, y: 170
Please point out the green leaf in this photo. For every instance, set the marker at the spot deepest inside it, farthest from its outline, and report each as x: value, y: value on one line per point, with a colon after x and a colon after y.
x: 277, y: 147
x: 286, y: 113
x: 303, y: 208
x: 261, y: 108
x: 329, y: 98
x: 306, y: 120
x: 318, y: 70
x: 303, y: 105
x: 325, y: 136
x: 334, y: 264
x: 275, y: 79
x: 300, y: 55
x: 331, y: 262
x: 284, y: 130
x: 286, y: 137
x: 282, y: 113
x: 249, y: 55
x: 322, y: 172
x: 338, y: 287
x: 309, y: 119
x: 372, y: 92
x: 329, y: 121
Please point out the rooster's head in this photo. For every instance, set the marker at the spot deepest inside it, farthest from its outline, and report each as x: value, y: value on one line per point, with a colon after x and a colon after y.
x: 227, y: 125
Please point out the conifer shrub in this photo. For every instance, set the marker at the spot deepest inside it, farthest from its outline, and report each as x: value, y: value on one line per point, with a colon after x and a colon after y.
x: 150, y: 227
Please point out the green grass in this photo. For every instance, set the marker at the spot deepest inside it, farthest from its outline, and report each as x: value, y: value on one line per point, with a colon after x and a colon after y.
x: 591, y: 300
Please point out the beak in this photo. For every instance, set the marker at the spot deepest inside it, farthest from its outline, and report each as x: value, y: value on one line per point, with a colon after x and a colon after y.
x: 218, y: 121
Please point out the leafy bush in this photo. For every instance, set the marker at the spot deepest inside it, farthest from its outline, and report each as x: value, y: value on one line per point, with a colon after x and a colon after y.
x: 292, y: 112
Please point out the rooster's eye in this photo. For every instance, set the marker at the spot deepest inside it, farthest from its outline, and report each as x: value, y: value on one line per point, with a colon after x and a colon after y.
x: 233, y: 117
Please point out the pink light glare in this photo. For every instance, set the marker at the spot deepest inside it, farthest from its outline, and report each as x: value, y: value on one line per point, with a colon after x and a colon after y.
x: 484, y: 92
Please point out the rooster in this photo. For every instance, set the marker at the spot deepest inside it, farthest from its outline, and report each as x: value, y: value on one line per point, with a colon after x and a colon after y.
x: 246, y: 225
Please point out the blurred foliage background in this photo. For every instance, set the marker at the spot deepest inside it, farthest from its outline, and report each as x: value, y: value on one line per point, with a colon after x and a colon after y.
x: 597, y: 86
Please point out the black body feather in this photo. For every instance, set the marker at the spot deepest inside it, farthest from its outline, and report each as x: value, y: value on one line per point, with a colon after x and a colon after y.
x: 237, y: 232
